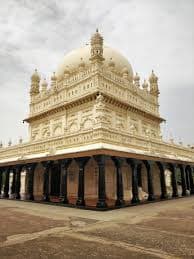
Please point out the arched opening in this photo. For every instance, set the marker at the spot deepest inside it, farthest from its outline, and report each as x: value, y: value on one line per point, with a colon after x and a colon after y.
x: 142, y: 182
x: 72, y: 182
x: 156, y: 180
x: 188, y: 178
x: 110, y: 180
x: 38, y: 182
x: 55, y: 174
x: 11, y: 190
x: 23, y: 182
x: 91, y: 183
x: 168, y: 180
x: 179, y: 181
x: 127, y: 182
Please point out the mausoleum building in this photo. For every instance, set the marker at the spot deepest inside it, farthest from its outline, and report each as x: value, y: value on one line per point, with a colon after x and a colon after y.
x: 95, y: 138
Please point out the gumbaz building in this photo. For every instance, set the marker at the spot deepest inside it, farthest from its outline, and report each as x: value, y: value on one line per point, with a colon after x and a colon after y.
x: 94, y: 138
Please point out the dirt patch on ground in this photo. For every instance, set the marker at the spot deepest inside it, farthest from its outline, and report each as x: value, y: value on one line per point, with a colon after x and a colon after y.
x: 67, y: 247
x: 12, y: 223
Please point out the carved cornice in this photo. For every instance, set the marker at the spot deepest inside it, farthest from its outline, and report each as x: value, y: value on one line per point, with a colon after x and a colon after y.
x: 87, y: 98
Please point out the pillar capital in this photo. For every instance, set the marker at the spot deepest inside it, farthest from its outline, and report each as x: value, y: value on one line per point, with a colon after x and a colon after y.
x: 100, y: 159
x: 133, y: 162
x: 31, y: 167
x: 65, y: 162
x: 82, y: 161
x: 118, y: 161
x: 46, y: 164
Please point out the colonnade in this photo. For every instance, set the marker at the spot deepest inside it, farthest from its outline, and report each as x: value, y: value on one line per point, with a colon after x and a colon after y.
x: 186, y: 181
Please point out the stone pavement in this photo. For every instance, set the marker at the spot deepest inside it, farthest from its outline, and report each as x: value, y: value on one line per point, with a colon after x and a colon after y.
x: 156, y: 230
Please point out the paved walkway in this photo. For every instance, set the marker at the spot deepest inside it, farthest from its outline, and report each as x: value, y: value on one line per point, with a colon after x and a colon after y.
x: 155, y: 230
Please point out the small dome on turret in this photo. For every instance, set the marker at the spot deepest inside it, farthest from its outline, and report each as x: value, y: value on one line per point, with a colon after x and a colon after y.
x: 44, y: 85
x: 111, y: 63
x: 145, y: 85
x: 125, y: 71
x: 53, y: 77
x: 136, y: 77
x: 96, y: 38
x: 66, y: 70
x: 82, y: 63
x: 35, y: 76
x: 153, y: 78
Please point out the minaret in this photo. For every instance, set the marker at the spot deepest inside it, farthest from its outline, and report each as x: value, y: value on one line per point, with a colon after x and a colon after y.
x: 137, y: 80
x: 54, y: 82
x: 96, y: 47
x: 154, y: 84
x: 35, y: 84
x: 44, y: 86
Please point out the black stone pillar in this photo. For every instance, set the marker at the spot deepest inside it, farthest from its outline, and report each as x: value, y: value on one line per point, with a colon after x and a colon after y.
x: 139, y: 175
x: 134, y: 166
x: 191, y: 180
x: 13, y: 182
x: 174, y: 180
x: 1, y: 180
x: 18, y: 170
x: 30, y: 182
x: 82, y: 161
x: 6, y: 186
x: 46, y: 183
x: 63, y: 181
x: 162, y: 180
x: 119, y: 182
x: 100, y: 159
x: 148, y: 165
x: 187, y: 178
x: 183, y: 181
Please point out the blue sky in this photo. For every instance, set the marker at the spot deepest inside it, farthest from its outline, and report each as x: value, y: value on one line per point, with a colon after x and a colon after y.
x: 151, y: 34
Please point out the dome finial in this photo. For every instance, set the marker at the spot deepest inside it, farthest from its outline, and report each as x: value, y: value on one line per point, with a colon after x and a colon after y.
x: 96, y: 29
x: 35, y: 80
x: 96, y: 47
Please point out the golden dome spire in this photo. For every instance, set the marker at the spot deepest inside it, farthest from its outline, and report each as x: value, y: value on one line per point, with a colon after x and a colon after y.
x: 35, y: 81
x: 35, y: 76
x: 154, y: 84
x: 136, y: 80
x: 145, y: 85
x: 44, y: 85
x: 153, y: 78
x: 53, y: 77
x: 96, y: 47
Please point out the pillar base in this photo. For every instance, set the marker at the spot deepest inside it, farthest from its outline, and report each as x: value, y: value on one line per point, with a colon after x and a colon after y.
x: 46, y: 198
x: 5, y: 195
x: 175, y: 195
x: 192, y: 191
x: 80, y: 202
x: 119, y: 202
x: 135, y: 200
x: 65, y: 201
x: 163, y: 196
x: 151, y: 197
x: 101, y: 204
x: 30, y: 197
x: 17, y: 196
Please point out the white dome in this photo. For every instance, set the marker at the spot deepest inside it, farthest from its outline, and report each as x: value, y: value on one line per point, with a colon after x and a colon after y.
x: 73, y: 59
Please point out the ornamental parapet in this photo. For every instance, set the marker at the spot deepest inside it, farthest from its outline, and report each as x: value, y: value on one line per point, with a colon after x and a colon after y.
x: 96, y: 139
